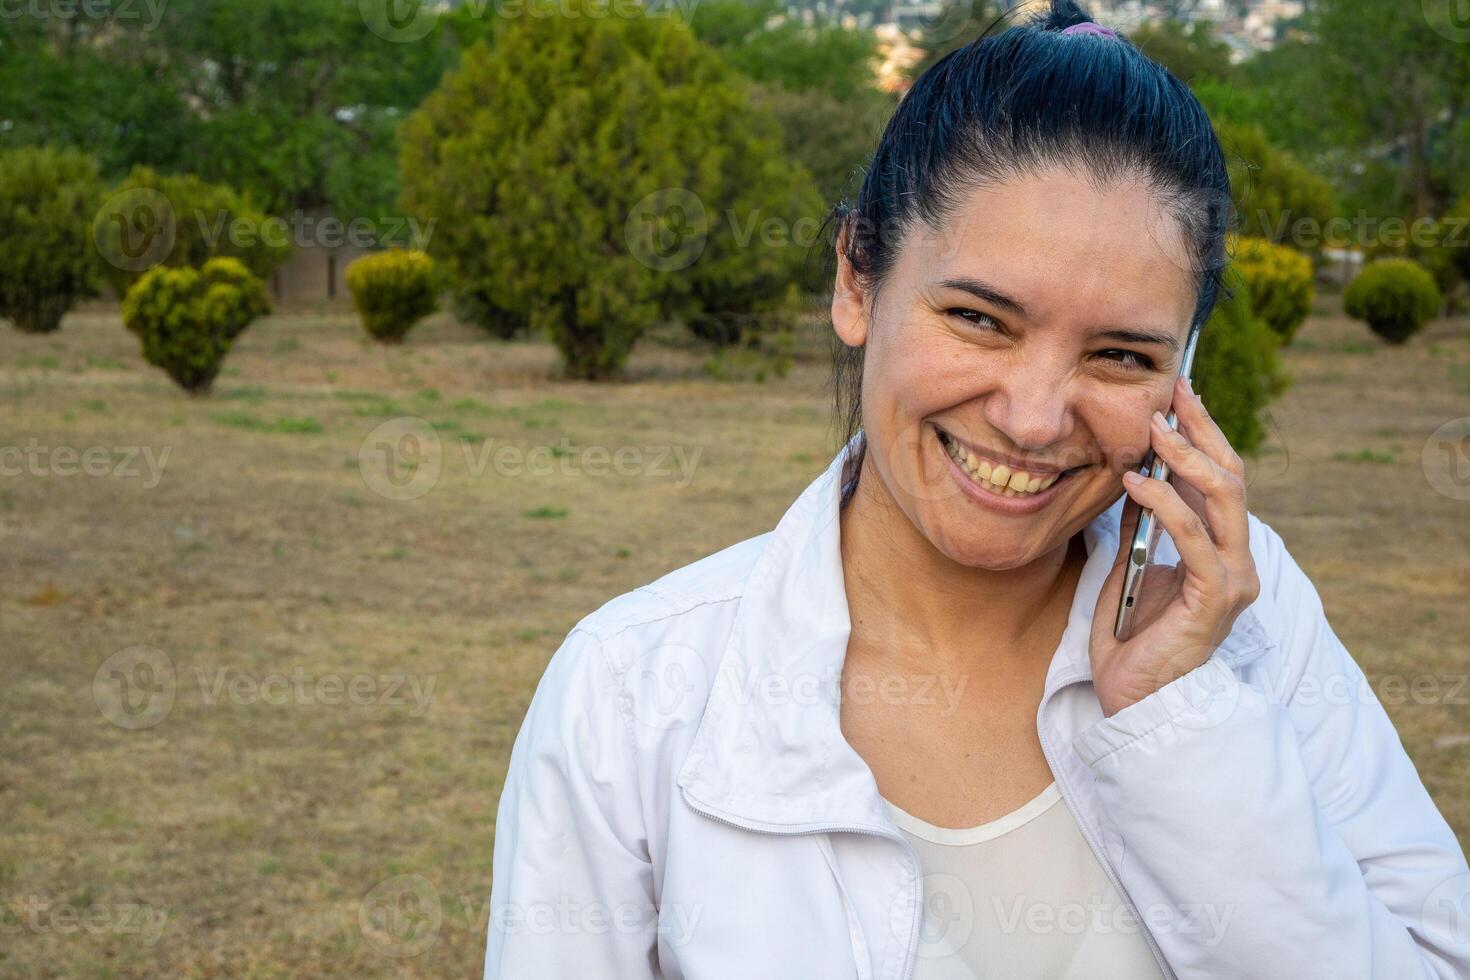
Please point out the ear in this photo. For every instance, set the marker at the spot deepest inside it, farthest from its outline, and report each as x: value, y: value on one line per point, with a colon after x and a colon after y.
x: 849, y: 301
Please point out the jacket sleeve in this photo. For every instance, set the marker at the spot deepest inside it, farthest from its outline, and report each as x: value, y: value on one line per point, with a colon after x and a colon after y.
x: 1285, y: 813
x: 572, y: 894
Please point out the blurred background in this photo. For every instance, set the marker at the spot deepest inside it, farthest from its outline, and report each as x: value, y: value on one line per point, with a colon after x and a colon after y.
x: 355, y: 350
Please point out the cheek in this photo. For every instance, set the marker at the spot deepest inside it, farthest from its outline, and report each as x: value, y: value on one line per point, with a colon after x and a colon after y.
x: 918, y: 371
x: 1120, y: 423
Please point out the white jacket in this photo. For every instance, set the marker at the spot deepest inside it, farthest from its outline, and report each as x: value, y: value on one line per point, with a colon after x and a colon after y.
x: 681, y: 802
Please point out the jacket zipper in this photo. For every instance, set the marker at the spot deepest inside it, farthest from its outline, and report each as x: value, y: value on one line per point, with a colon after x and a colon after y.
x: 1092, y: 842
x: 911, y: 949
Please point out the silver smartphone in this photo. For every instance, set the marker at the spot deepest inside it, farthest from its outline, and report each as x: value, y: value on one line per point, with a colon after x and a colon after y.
x: 1141, y: 551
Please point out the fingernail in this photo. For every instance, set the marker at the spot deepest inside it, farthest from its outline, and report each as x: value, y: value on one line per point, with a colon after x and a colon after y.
x: 1133, y: 478
x: 1160, y: 421
x: 1187, y: 385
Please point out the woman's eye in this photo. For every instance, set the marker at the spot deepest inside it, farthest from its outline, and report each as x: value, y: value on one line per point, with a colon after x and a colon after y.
x: 1128, y: 358
x: 975, y: 317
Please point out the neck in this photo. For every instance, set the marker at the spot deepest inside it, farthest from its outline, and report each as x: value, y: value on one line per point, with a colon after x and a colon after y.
x: 912, y: 602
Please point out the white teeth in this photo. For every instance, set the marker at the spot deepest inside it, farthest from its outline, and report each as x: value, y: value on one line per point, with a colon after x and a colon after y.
x: 1000, y: 479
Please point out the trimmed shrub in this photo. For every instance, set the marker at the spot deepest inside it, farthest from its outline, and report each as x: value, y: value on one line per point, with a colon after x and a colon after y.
x: 1280, y: 283
x: 1236, y: 368
x: 182, y: 221
x: 1395, y: 297
x: 48, y: 198
x: 187, y: 319
x: 392, y: 291
x: 474, y: 306
x: 595, y: 175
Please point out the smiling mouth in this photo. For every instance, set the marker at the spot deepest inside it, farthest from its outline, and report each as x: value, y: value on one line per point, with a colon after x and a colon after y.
x: 999, y: 478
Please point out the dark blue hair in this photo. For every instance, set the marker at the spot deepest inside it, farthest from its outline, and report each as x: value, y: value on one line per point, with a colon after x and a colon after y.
x: 1018, y: 102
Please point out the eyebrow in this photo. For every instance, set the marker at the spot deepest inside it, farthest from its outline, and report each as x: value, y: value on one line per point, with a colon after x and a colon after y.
x: 982, y: 290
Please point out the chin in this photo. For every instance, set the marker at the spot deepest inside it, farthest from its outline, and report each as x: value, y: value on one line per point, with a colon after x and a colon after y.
x: 977, y: 544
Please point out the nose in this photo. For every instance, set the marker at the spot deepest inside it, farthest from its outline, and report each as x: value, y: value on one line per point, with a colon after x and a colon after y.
x: 1031, y: 405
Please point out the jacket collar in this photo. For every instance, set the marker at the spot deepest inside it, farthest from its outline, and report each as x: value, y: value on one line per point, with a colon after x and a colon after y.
x: 769, y: 751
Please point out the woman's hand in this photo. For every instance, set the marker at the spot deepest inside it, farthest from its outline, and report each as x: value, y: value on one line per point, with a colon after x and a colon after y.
x: 1185, y: 610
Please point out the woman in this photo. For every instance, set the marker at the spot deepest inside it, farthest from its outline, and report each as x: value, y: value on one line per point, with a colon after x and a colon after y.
x: 895, y: 737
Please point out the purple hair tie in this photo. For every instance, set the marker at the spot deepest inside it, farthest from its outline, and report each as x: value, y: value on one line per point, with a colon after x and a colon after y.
x: 1088, y: 27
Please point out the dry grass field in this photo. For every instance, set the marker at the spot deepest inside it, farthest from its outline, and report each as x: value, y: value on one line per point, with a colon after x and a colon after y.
x: 259, y: 681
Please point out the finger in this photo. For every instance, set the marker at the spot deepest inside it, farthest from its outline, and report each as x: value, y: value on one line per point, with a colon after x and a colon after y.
x: 1126, y: 528
x: 1202, y: 559
x: 1196, y: 423
x: 1223, y: 493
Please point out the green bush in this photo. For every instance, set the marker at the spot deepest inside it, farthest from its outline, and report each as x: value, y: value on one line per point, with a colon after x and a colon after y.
x: 473, y: 306
x: 1280, y: 283
x: 1236, y: 368
x: 1278, y: 198
x: 181, y: 221
x: 392, y: 291
x: 594, y: 175
x: 187, y: 319
x: 47, y: 198
x: 1395, y: 297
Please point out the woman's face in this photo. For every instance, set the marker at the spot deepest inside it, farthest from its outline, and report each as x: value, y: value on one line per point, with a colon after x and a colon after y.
x: 1024, y: 344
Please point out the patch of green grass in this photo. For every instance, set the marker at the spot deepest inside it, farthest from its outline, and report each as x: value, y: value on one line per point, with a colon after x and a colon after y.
x: 255, y: 394
x: 252, y: 423
x: 472, y: 406
x: 429, y: 395
x: 1363, y: 456
x: 380, y: 407
x: 95, y: 405
x: 546, y: 513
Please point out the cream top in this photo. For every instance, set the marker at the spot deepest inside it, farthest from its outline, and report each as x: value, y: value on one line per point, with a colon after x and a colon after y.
x: 1022, y: 896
